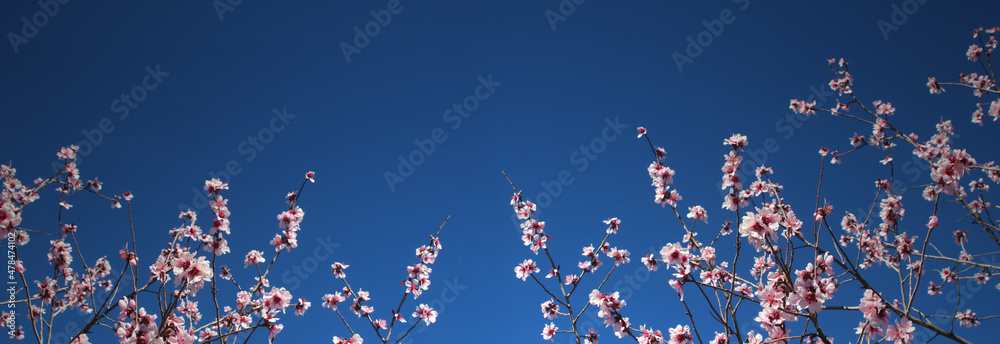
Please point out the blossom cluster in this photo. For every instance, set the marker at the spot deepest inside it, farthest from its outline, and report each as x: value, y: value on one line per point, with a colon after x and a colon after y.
x: 416, y: 282
x: 611, y: 305
x: 786, y: 289
x: 532, y: 231
x: 177, y: 315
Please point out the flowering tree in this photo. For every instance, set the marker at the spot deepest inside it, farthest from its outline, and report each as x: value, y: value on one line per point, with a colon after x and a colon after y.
x: 795, y: 272
x: 157, y: 311
x: 417, y: 281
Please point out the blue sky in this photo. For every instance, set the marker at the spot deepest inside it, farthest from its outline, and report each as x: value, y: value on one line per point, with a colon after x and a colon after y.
x: 168, y: 95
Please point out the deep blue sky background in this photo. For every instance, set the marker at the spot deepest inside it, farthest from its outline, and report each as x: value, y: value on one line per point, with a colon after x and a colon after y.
x: 607, y: 61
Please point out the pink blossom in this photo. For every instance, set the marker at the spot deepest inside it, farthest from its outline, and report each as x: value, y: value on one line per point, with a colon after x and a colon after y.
x: 967, y: 318
x: 590, y: 337
x: 649, y: 336
x: 770, y: 297
x: 663, y: 198
x: 621, y: 326
x: 94, y: 184
x: 678, y: 286
x: 948, y: 276
x: 708, y: 254
x: 273, y: 330
x: 355, y: 339
x: 803, y: 107
x: 366, y: 310
x: 720, y: 338
x: 932, y: 84
x: 277, y: 299
x: 549, y: 331
x: 995, y: 110
x: 884, y: 108
x: 675, y: 254
x: 697, y: 213
x: 661, y: 175
x: 525, y: 269
x: 613, y: 224
x: 215, y: 185
x: 331, y: 300
x: 68, y: 153
x: 726, y: 228
x: 822, y: 212
x: 338, y: 269
x: 973, y: 53
x: 253, y: 257
x: 759, y: 226
x: 961, y: 236
x: 874, y: 311
x: 933, y: 289
x: 660, y: 152
x: 426, y: 313
x: 650, y: 262
x: 904, y: 244
x: 891, y: 210
x: 901, y: 332
x: 302, y: 306
x: 550, y: 309
x: 620, y: 256
x: 679, y: 335
x: 551, y: 273
x: 737, y: 141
